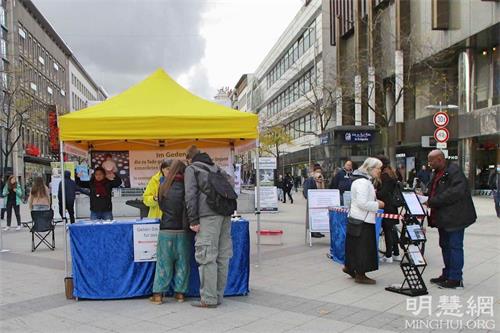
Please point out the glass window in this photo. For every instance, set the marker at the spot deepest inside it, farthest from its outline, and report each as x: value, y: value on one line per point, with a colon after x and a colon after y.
x: 301, y: 47
x: 306, y: 40
x: 482, y: 79
x: 3, y: 19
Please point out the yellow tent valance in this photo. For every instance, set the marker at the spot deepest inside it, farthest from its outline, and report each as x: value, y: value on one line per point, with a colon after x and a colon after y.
x: 158, y: 111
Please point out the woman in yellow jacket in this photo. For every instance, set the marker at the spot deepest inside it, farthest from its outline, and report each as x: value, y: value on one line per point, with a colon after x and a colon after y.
x: 150, y: 197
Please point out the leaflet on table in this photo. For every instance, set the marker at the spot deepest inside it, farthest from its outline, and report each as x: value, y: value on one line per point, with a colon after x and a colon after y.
x: 145, y: 241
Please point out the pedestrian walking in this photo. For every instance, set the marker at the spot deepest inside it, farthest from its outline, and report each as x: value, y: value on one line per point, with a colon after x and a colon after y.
x: 342, y: 180
x: 287, y: 187
x: 452, y: 210
x: 101, y: 186
x: 494, y: 183
x: 39, y: 198
x: 424, y: 175
x: 315, y: 182
x: 3, y: 209
x: 387, y: 189
x: 174, y: 239
x: 13, y: 197
x: 296, y: 183
x: 279, y: 186
x: 360, y: 245
x: 209, y: 215
x: 150, y: 196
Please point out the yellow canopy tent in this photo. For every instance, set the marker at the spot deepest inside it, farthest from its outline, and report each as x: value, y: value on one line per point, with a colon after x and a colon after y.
x: 156, y: 114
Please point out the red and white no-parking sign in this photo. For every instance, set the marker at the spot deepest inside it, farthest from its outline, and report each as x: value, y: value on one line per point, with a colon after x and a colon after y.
x: 441, y: 119
x: 441, y: 134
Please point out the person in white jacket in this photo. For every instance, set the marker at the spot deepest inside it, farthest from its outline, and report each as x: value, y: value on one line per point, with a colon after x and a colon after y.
x: 360, y: 246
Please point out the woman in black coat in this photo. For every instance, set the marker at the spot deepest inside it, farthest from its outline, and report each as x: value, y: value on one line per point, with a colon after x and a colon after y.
x: 385, y: 192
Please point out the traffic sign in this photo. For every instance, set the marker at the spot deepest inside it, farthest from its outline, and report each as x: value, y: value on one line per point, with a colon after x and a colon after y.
x: 441, y: 119
x: 441, y: 145
x: 441, y: 134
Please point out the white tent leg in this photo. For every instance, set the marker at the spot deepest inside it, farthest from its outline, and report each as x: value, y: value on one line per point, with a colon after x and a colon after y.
x: 63, y: 215
x: 257, y: 199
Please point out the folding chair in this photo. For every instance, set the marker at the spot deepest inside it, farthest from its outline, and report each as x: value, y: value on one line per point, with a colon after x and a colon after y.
x: 42, y: 227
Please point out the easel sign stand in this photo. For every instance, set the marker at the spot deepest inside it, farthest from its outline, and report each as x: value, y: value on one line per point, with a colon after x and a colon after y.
x: 319, y: 203
x: 412, y: 240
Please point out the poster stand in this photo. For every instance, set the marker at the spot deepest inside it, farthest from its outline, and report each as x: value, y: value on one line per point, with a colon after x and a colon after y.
x: 412, y: 241
x: 319, y: 203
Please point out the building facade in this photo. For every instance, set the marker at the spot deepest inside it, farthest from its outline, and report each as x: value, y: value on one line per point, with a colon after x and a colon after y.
x: 36, y: 87
x: 83, y: 89
x: 353, y: 78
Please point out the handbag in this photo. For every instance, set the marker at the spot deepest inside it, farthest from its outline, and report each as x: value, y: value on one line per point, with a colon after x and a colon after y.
x: 354, y: 226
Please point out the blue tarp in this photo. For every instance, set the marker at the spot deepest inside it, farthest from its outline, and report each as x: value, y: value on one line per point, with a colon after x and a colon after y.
x: 104, y: 267
x: 338, y: 225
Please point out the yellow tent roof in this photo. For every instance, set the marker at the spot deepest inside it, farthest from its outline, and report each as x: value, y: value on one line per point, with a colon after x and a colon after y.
x: 158, y: 112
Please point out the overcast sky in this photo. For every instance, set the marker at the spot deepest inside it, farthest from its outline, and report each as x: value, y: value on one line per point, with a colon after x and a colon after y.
x: 204, y: 44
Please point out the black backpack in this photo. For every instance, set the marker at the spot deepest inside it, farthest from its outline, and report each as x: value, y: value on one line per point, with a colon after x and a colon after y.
x: 397, y: 199
x: 221, y: 197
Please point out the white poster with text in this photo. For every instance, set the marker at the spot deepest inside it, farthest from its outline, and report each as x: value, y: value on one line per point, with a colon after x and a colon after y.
x: 145, y: 241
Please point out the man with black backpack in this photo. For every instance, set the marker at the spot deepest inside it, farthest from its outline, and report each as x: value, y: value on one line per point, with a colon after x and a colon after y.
x: 210, y: 202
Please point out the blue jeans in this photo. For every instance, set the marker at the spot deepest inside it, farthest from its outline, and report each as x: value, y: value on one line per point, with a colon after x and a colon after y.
x: 94, y: 216
x: 452, y: 247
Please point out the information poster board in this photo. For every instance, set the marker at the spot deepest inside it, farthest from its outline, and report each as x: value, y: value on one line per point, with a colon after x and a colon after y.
x: 319, y: 202
x: 145, y: 241
x: 268, y: 198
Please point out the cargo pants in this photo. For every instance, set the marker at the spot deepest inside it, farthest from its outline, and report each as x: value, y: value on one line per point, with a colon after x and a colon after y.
x: 213, y: 249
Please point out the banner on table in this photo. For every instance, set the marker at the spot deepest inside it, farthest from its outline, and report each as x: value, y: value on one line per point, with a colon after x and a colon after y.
x: 268, y: 198
x: 319, y: 202
x: 145, y: 241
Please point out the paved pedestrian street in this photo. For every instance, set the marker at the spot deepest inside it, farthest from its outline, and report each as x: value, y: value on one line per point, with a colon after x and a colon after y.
x: 295, y: 288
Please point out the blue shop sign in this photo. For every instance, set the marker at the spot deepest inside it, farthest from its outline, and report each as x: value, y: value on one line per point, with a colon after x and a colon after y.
x: 358, y: 136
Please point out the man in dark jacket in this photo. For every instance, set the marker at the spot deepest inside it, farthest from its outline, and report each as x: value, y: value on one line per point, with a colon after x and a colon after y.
x: 213, y: 245
x: 452, y: 210
x: 343, y: 180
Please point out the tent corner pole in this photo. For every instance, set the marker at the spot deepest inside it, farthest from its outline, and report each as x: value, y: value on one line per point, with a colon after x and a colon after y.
x: 63, y: 204
x: 257, y: 197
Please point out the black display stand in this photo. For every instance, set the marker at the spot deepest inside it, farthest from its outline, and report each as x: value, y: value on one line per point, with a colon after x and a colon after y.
x: 412, y: 241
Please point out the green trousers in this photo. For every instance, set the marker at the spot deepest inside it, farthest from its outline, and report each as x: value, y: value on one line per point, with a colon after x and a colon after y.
x: 172, y: 261
x: 213, y: 249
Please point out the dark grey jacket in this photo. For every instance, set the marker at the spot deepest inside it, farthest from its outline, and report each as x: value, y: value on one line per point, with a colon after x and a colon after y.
x: 451, y: 205
x: 196, y: 185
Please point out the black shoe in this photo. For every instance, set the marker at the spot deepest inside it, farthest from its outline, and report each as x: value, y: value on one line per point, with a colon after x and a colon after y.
x: 317, y: 235
x: 451, y: 284
x: 438, y: 280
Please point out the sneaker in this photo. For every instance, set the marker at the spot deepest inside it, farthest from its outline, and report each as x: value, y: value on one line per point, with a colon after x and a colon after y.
x: 386, y: 260
x: 5, y: 228
x: 438, y: 280
x: 397, y: 258
x: 18, y: 228
x: 451, y: 284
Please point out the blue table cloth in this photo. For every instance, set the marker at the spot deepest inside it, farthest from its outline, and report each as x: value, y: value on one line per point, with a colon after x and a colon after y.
x: 338, y: 226
x: 104, y: 268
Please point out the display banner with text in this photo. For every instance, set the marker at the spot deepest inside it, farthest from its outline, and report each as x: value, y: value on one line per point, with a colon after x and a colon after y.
x: 145, y: 163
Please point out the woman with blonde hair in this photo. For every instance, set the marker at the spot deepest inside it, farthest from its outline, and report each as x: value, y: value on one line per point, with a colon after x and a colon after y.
x: 360, y: 246
x: 39, y: 198
x: 173, y: 249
